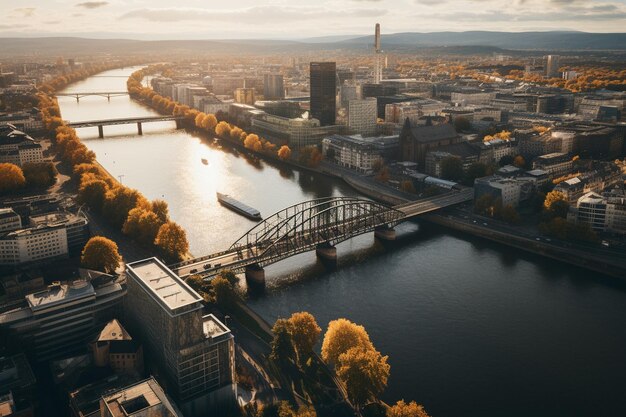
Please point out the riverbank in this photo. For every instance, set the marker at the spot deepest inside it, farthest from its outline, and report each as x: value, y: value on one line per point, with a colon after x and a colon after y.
x: 573, y: 255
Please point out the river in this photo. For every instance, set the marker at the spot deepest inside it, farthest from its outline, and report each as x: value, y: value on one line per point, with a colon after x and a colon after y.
x: 471, y: 328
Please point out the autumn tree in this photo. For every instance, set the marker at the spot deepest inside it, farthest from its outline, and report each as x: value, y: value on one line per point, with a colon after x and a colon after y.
x: 383, y: 174
x: 341, y: 336
x: 555, y: 205
x: 222, y: 129
x: 100, y: 254
x: 11, y: 178
x: 365, y: 373
x: 142, y: 225
x: 304, y: 333
x: 519, y: 161
x: 282, y: 343
x: 408, y: 187
x: 92, y: 192
x: 209, y: 122
x: 40, y: 174
x: 119, y: 201
x: 310, y: 156
x: 284, y: 152
x: 171, y: 240
x: 160, y: 208
x: 403, y: 409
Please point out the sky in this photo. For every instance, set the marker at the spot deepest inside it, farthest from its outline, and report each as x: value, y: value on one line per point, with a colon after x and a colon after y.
x: 299, y: 19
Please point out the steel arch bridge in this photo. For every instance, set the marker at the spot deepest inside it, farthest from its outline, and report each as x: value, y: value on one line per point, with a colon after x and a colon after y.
x: 304, y: 226
x: 294, y: 230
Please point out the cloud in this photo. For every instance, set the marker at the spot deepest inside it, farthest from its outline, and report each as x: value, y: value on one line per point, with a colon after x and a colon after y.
x: 92, y: 4
x: 25, y: 11
x: 253, y: 14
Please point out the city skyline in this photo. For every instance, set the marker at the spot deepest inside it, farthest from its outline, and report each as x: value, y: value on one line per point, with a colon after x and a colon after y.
x: 301, y: 19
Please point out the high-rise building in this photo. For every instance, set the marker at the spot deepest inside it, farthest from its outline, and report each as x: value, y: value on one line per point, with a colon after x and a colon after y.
x: 323, y: 92
x: 196, y: 352
x: 362, y: 116
x: 245, y: 96
x: 61, y: 319
x: 551, y: 67
x: 273, y: 86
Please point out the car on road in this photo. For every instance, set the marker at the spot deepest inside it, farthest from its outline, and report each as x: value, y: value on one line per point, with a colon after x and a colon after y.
x: 193, y: 271
x: 207, y: 266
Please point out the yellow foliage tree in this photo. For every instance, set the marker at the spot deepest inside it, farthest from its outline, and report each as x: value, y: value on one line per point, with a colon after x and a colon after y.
x: 284, y: 152
x: 342, y: 335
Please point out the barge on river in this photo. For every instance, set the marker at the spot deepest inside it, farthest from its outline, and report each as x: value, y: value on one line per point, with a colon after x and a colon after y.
x: 238, y: 207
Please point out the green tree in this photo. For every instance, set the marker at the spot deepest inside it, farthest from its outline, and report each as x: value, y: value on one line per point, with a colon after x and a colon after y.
x: 305, y: 333
x: 365, y: 373
x: 341, y: 336
x: 402, y: 409
x: 510, y: 215
x: 506, y: 160
x: 556, y: 227
x: 475, y: 170
x: 225, y: 294
x: 11, y: 178
x: 451, y: 168
x: 282, y: 344
x: 483, y: 203
x: 101, y: 254
x: 172, y: 241
x: 462, y: 124
x: 201, y: 286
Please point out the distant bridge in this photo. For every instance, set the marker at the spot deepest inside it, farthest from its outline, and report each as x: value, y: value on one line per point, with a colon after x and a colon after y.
x: 312, y: 225
x: 126, y: 121
x: 106, y: 94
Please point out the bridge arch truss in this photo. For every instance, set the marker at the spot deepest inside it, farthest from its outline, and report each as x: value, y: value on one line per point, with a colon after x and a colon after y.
x: 304, y: 226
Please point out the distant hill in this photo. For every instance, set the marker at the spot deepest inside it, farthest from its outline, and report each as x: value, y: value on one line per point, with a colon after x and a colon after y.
x: 508, y: 40
x: 446, y: 42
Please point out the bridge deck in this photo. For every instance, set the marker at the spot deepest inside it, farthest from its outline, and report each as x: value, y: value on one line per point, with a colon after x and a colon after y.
x: 121, y: 121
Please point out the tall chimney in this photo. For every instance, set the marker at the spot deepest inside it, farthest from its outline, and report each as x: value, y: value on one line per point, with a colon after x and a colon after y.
x: 377, y: 38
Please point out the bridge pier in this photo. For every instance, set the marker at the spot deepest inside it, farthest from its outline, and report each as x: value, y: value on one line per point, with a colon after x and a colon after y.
x: 100, y: 131
x: 326, y: 252
x: 77, y: 99
x: 139, y: 129
x: 179, y: 124
x: 385, y: 233
x: 255, y: 275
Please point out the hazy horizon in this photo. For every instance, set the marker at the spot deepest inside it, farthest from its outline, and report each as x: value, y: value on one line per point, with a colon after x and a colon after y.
x: 301, y: 19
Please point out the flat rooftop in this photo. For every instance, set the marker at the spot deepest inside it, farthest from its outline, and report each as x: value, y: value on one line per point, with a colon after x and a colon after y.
x: 58, y: 294
x: 138, y: 399
x: 163, y: 284
x: 212, y: 327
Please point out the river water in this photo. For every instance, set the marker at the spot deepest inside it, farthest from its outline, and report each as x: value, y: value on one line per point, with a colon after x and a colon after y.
x: 471, y: 328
